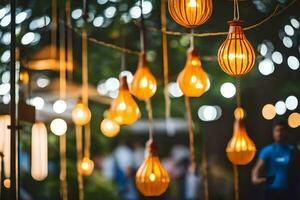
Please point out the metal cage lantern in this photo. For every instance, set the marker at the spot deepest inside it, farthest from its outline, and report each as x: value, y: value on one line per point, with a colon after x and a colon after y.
x: 190, y: 13
x: 151, y: 178
x: 236, y: 56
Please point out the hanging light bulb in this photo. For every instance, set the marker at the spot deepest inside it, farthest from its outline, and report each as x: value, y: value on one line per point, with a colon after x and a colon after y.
x: 151, y: 178
x: 240, y: 149
x: 39, y: 152
x: 81, y: 114
x: 192, y: 79
x: 124, y: 109
x: 86, y: 166
x: 109, y: 128
x: 5, y: 143
x: 6, y: 183
x: 58, y: 126
x: 190, y: 13
x: 143, y: 85
x: 24, y: 77
x: 236, y: 55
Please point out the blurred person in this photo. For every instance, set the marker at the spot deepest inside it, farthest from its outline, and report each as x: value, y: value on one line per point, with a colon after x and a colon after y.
x: 192, y: 185
x: 124, y: 172
x: 294, y: 173
x: 274, y: 161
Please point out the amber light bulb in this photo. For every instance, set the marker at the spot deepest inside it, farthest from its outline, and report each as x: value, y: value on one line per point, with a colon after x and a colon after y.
x: 192, y: 79
x: 86, y: 166
x: 240, y: 149
x: 190, y: 13
x: 236, y: 55
x: 124, y: 110
x: 143, y: 84
x: 81, y: 114
x: 109, y: 128
x: 151, y: 178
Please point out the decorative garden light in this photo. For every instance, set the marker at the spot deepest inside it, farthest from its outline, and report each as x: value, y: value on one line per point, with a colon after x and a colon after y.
x: 190, y: 13
x: 81, y: 114
x: 144, y: 84
x: 39, y: 152
x: 124, y: 109
x: 151, y: 178
x: 86, y: 166
x: 5, y: 143
x: 236, y: 55
x: 240, y: 149
x: 58, y: 127
x: 192, y: 79
x: 109, y: 128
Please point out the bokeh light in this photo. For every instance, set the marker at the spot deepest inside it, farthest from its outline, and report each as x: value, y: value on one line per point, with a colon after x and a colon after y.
x: 228, y: 90
x: 291, y: 103
x: 58, y: 126
x: 268, y: 111
x: 293, y: 62
x: 280, y: 108
x: 294, y: 120
x: 266, y: 67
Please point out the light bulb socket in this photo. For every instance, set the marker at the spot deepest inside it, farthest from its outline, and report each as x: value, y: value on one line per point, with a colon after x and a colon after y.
x: 124, y: 84
x: 142, y: 60
x: 151, y: 147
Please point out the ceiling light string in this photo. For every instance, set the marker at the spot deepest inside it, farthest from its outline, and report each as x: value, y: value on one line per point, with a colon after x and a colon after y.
x: 276, y: 12
x: 165, y: 59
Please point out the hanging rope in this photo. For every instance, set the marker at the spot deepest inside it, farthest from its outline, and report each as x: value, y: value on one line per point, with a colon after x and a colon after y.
x: 85, y: 87
x: 150, y: 117
x: 78, y: 135
x: 236, y: 182
x: 62, y: 61
x: 165, y: 59
x: 191, y: 133
x: 70, y: 65
x: 192, y: 39
x: 53, y: 28
x: 63, y: 167
x: 236, y: 12
x: 87, y: 140
x: 142, y: 30
x: 238, y: 92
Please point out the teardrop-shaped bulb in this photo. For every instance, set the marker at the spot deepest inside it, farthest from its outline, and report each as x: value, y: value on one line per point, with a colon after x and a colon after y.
x: 192, y: 79
x: 240, y: 149
x: 151, y: 178
x: 124, y: 110
x: 143, y: 85
x: 236, y: 56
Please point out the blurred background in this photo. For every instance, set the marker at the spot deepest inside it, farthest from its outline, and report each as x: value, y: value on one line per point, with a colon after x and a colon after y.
x: 274, y: 80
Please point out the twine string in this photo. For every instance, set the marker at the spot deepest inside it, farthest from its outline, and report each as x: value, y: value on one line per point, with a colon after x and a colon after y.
x: 63, y: 166
x: 150, y: 118
x: 191, y: 133
x: 78, y: 135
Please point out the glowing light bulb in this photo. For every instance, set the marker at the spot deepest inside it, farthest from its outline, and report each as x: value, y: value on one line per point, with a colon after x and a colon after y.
x: 192, y: 79
x: 58, y: 127
x: 143, y: 84
x: 6, y: 183
x: 109, y: 128
x: 81, y: 114
x: 39, y: 152
x: 236, y: 56
x: 86, y: 166
x: 124, y: 109
x: 190, y: 13
x: 240, y: 149
x: 151, y: 178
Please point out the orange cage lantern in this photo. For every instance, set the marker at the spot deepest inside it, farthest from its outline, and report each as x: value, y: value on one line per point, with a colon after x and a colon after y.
x: 144, y: 84
x: 124, y: 110
x: 240, y: 149
x: 151, y: 178
x: 192, y: 79
x: 236, y: 56
x: 190, y: 13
